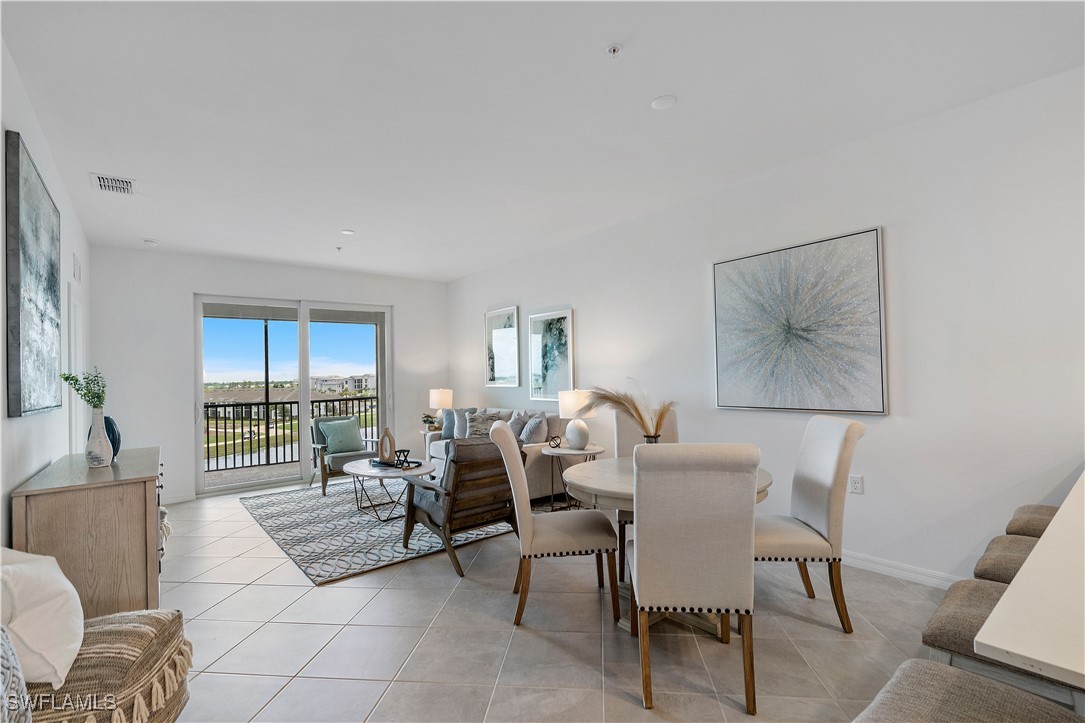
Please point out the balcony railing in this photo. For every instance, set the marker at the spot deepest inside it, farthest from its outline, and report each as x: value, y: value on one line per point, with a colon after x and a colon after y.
x: 251, y: 434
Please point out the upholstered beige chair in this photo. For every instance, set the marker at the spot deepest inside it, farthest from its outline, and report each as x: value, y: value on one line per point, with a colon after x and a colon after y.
x: 694, y: 557
x: 554, y: 534
x: 627, y: 435
x: 814, y: 530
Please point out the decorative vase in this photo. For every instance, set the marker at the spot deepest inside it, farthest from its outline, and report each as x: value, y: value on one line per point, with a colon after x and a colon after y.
x: 99, y: 450
x: 651, y: 439
x: 386, y: 447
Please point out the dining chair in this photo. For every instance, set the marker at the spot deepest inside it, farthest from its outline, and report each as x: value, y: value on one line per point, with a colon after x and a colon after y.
x: 698, y: 557
x: 814, y: 530
x: 627, y: 435
x: 553, y: 534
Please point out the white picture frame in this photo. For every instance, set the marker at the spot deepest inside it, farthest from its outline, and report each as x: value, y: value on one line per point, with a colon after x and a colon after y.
x: 550, y: 354
x: 502, y: 347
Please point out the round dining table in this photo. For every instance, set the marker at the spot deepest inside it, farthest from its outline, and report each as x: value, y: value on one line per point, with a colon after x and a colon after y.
x: 609, y: 483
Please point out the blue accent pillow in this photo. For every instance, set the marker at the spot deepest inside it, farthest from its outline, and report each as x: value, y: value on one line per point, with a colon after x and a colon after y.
x: 343, y: 436
x: 518, y: 422
x: 448, y: 424
x: 535, y: 430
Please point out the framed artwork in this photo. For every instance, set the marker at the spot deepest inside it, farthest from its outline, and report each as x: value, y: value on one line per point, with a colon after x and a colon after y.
x: 551, y: 349
x: 803, y: 328
x: 502, y: 348
x: 33, y: 285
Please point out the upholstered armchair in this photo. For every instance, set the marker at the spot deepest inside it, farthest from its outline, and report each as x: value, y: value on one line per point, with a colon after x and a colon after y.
x: 329, y: 463
x: 473, y: 491
x: 814, y: 531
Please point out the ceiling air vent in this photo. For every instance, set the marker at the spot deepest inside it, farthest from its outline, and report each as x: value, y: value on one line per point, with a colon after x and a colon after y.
x: 113, y: 184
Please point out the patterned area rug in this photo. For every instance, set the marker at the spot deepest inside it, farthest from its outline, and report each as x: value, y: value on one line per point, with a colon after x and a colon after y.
x: 330, y: 539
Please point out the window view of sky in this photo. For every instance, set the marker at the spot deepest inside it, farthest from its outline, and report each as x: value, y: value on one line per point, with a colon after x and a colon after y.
x: 233, y: 349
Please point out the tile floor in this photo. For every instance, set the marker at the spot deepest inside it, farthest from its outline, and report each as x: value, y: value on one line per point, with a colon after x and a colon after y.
x: 415, y: 642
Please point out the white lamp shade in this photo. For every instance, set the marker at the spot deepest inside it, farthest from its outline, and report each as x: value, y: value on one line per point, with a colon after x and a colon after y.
x: 440, y: 398
x: 571, y: 402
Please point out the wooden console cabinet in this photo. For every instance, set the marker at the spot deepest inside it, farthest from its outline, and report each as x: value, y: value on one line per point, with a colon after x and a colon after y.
x: 100, y: 524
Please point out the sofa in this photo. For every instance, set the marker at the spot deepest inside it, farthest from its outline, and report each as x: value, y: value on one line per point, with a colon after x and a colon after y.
x: 540, y: 474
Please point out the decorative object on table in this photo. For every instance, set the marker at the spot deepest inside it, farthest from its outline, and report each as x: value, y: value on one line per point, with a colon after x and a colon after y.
x: 550, y: 339
x: 571, y: 406
x: 91, y: 389
x: 637, y: 407
x: 430, y: 421
x: 554, y: 442
x: 386, y: 447
x: 329, y: 539
x: 33, y: 286
x: 401, y: 457
x: 802, y: 328
x: 502, y: 348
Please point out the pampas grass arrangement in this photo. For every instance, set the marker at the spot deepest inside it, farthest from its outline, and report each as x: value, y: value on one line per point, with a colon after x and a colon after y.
x: 639, y: 408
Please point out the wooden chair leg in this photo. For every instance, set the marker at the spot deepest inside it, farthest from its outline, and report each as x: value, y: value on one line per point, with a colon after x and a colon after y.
x: 645, y: 661
x: 837, y: 587
x: 745, y: 628
x: 519, y: 577
x: 452, y: 556
x: 805, y: 574
x: 599, y: 568
x: 634, y: 618
x: 725, y: 627
x: 323, y: 480
x: 525, y: 583
x: 612, y: 572
x: 621, y: 551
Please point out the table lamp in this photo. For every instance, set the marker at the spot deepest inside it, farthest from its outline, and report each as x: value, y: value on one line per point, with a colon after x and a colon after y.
x: 569, y: 405
x: 440, y: 399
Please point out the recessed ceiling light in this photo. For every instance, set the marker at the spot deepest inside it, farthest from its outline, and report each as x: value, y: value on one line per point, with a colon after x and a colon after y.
x: 150, y: 242
x: 664, y: 102
x: 347, y: 232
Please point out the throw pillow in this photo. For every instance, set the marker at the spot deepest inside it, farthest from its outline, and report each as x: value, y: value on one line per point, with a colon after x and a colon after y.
x: 44, y: 616
x: 343, y: 436
x: 448, y: 424
x: 461, y: 421
x: 518, y: 422
x: 479, y: 423
x: 14, y: 684
x: 535, y: 430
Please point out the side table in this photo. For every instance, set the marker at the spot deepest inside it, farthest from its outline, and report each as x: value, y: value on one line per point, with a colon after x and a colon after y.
x: 556, y: 455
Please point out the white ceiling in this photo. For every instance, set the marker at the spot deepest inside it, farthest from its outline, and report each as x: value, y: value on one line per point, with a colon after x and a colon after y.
x: 452, y: 136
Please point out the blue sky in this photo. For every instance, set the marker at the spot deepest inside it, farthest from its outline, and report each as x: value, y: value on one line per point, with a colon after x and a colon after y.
x: 233, y: 349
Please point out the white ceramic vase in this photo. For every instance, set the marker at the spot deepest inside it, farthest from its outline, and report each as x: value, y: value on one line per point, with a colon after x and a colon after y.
x: 99, y: 450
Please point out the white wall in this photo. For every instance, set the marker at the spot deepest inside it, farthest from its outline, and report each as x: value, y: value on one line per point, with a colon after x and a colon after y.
x: 982, y: 211
x: 143, y: 336
x: 31, y: 443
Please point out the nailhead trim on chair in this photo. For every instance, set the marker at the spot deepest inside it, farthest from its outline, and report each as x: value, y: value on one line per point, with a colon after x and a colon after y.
x: 570, y: 554
x: 690, y: 609
x: 798, y: 559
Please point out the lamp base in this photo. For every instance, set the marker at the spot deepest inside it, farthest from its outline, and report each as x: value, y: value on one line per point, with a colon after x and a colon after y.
x: 576, y: 434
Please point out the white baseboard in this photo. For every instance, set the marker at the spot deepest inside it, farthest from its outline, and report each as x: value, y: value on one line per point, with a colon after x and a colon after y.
x: 900, y: 570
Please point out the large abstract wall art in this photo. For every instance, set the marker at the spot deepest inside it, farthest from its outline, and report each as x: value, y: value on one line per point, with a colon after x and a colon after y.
x: 802, y: 328
x: 33, y: 285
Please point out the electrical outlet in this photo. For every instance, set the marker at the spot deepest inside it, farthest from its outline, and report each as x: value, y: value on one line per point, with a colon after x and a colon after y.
x: 855, y: 484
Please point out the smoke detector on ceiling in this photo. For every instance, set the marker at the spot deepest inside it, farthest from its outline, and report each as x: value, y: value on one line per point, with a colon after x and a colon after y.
x: 113, y: 184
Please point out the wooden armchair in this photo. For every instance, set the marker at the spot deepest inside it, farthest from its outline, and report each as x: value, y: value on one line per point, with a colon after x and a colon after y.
x: 472, y: 492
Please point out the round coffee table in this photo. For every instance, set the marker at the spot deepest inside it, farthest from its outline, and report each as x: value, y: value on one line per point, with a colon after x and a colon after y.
x: 364, y: 470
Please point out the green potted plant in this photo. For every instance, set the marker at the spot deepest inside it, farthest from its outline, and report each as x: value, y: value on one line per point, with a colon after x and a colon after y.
x: 102, y: 447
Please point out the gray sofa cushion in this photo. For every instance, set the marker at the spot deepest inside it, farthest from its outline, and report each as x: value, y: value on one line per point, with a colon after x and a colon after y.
x: 960, y: 616
x: 336, y: 461
x: 1004, y: 557
x: 922, y: 690
x: 1031, y: 520
x: 438, y: 449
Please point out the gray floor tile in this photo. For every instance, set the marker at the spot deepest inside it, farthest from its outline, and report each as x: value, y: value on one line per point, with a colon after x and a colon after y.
x: 374, y: 578
x: 181, y: 545
x: 440, y: 703
x: 275, y: 649
x: 228, y: 698
x: 226, y: 546
x: 784, y: 710
x: 242, y: 570
x: 851, y: 669
x: 287, y: 573
x: 628, y: 705
x: 805, y: 619
x: 259, y: 603
x: 186, y: 567
x: 677, y: 666
x: 545, y: 704
x: 852, y: 708
x: 485, y: 609
x: 211, y: 639
x: 779, y: 668
x: 897, y: 620
x: 193, y: 598
x: 553, y: 660
x: 446, y: 655
x: 414, y: 608
x: 327, y: 605
x: 365, y: 652
x: 564, y: 612
x: 316, y: 700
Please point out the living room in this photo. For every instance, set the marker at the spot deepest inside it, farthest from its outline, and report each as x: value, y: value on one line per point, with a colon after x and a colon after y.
x: 953, y: 129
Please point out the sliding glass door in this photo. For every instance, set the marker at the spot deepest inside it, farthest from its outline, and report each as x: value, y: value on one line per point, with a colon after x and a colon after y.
x: 267, y: 369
